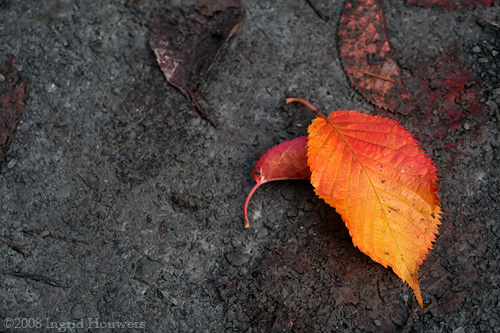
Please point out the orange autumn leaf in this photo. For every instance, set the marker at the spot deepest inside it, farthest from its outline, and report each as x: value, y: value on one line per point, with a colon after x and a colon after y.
x: 376, y: 176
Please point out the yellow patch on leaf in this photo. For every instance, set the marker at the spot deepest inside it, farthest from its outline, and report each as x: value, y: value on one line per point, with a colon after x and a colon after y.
x: 376, y: 176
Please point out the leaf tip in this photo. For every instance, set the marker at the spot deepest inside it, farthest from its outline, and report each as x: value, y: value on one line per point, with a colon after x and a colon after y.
x: 418, y: 296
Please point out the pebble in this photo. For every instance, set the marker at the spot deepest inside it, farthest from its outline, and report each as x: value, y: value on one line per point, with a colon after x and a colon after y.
x: 63, y: 193
x: 147, y: 270
x: 377, y: 323
x: 476, y: 49
x: 492, y: 106
x: 399, y: 320
x: 433, y: 274
x: 78, y: 311
x: 172, y: 300
x: 237, y: 259
x: 51, y: 88
x: 262, y: 233
x: 12, y: 163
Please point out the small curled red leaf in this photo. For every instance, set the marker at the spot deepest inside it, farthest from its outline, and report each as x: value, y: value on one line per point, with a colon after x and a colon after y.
x: 287, y: 160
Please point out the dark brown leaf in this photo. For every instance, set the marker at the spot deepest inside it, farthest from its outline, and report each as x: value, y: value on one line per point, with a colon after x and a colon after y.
x: 186, y: 42
x: 13, y: 89
x: 141, y: 138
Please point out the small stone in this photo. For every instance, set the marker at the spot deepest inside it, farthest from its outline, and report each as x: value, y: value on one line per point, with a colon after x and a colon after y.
x: 433, y: 274
x: 78, y: 312
x: 466, y: 126
x: 165, y: 295
x: 494, y: 53
x: 182, y: 158
x: 301, y: 266
x: 262, y: 233
x: 399, y: 320
x: 2, y: 78
x: 147, y: 270
x: 237, y: 259
x: 492, y: 106
x: 51, y: 88
x: 476, y: 49
x: 63, y: 193
x: 377, y: 323
x: 12, y: 163
x: 459, y: 330
x: 187, y: 201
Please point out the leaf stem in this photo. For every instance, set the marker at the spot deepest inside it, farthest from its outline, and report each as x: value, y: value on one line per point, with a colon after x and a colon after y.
x: 201, y: 111
x: 245, y: 209
x: 306, y: 103
x: 317, y: 10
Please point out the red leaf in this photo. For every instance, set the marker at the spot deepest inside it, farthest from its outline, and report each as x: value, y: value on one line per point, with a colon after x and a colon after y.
x: 441, y: 85
x: 13, y: 89
x: 187, y: 40
x: 288, y: 160
x: 366, y: 52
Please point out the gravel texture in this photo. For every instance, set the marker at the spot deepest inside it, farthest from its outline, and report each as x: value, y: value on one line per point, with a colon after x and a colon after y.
x: 120, y: 205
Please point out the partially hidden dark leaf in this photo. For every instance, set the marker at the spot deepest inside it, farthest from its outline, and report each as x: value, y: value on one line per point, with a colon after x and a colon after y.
x: 148, y: 113
x: 288, y: 160
x: 13, y: 94
x: 366, y: 55
x: 443, y: 85
x: 187, y: 40
x: 452, y: 4
x: 447, y: 96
